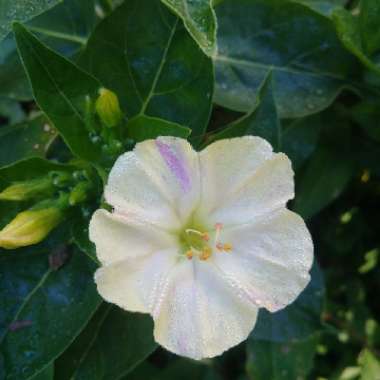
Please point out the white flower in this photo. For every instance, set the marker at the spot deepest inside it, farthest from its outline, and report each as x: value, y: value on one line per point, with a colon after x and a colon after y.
x: 202, y: 240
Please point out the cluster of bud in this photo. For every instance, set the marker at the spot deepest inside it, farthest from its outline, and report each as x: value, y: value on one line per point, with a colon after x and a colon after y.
x: 52, y: 195
x: 58, y: 191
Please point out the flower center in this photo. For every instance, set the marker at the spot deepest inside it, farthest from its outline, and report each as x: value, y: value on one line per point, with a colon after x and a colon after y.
x: 202, y: 244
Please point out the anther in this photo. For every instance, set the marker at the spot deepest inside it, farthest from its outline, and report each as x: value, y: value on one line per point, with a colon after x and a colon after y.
x: 219, y: 247
x: 206, y: 253
x: 189, y: 254
x: 205, y: 236
x: 227, y: 247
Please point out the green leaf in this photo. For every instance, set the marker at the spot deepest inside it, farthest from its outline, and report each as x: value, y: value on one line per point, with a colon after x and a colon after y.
x: 64, y: 28
x: 299, y: 139
x: 369, y: 18
x: 11, y: 10
x: 30, y: 138
x: 370, y: 365
x: 68, y: 362
x: 324, y: 7
x: 199, y: 19
x: 349, y: 31
x: 46, y: 374
x: 277, y: 361
x: 30, y: 168
x: 321, y: 181
x: 60, y: 89
x: 350, y: 373
x: 80, y: 233
x: 183, y: 369
x: 360, y: 33
x: 144, y: 371
x: 367, y: 115
x: 144, y: 54
x: 43, y: 309
x: 143, y: 127
x: 309, y: 64
x: 262, y: 121
x: 297, y: 321
x: 13, y: 80
x: 112, y: 345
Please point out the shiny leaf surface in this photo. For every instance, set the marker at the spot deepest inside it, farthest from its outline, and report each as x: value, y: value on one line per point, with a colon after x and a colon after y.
x: 20, y: 10
x: 145, y: 55
x: 308, y: 73
x: 60, y: 89
x: 43, y: 309
x: 199, y: 19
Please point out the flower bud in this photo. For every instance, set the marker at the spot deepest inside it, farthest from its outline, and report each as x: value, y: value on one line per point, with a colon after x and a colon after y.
x: 79, y: 193
x: 22, y: 191
x: 30, y: 227
x: 108, y: 108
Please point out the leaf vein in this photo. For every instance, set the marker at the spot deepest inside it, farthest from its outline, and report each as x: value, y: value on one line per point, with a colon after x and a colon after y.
x: 159, y: 70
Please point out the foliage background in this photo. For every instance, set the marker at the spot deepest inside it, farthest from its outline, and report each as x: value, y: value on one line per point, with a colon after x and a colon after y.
x: 304, y: 74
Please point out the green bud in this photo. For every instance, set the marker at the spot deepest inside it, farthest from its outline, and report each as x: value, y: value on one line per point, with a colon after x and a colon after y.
x: 26, y: 190
x: 79, y: 193
x: 108, y: 108
x: 60, y: 179
x: 30, y: 227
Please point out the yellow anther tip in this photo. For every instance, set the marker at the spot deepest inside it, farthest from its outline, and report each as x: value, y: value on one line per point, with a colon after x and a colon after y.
x: 227, y: 247
x: 189, y: 254
x: 206, y: 254
x: 206, y: 236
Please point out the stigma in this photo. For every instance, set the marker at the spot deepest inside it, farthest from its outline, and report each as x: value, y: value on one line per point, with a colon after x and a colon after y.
x: 200, y: 246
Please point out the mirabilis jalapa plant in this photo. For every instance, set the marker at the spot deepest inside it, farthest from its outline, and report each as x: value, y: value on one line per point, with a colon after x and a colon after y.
x: 201, y: 241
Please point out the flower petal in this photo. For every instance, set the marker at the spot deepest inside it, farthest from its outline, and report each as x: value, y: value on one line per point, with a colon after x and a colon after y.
x: 158, y: 181
x: 136, y: 284
x: 118, y: 238
x: 270, y: 259
x: 201, y: 316
x: 241, y: 179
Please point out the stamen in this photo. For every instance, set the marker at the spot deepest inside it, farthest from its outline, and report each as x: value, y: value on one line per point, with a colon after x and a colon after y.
x: 226, y: 247
x: 218, y: 228
x: 202, y: 250
x: 206, y: 253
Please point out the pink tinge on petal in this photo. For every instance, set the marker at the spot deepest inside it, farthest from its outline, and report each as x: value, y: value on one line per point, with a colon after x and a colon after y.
x: 175, y: 164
